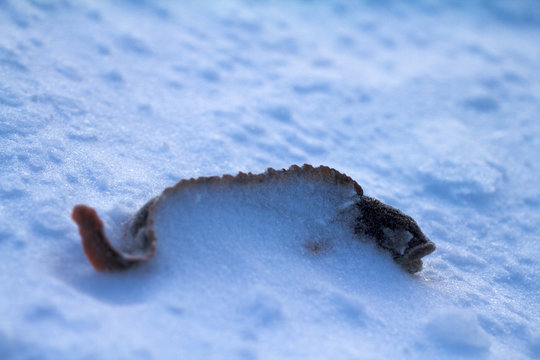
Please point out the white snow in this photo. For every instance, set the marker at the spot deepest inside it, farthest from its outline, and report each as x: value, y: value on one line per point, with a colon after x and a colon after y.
x: 432, y: 107
x: 458, y: 332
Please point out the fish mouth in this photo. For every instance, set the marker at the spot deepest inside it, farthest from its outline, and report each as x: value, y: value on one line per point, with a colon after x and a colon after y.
x: 411, y: 260
x: 420, y: 251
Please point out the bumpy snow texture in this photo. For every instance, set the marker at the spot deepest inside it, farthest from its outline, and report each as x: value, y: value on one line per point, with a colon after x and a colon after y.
x: 431, y: 106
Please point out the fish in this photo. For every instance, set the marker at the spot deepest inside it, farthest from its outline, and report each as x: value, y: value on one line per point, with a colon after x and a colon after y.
x: 366, y: 217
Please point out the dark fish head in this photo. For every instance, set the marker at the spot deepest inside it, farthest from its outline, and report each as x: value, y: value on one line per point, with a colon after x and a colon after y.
x: 396, y: 232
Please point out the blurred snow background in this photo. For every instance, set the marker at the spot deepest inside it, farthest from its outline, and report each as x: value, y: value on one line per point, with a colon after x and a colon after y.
x: 432, y: 107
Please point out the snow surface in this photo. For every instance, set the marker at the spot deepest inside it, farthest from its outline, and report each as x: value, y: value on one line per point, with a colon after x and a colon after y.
x: 432, y: 108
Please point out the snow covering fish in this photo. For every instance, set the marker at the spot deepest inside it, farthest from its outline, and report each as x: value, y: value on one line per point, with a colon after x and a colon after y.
x: 313, y: 195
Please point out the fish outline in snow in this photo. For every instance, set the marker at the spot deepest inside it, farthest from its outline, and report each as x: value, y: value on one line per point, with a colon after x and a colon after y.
x: 392, y: 230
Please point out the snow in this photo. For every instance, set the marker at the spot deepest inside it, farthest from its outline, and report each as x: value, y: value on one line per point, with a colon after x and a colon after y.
x: 458, y: 332
x: 432, y: 107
